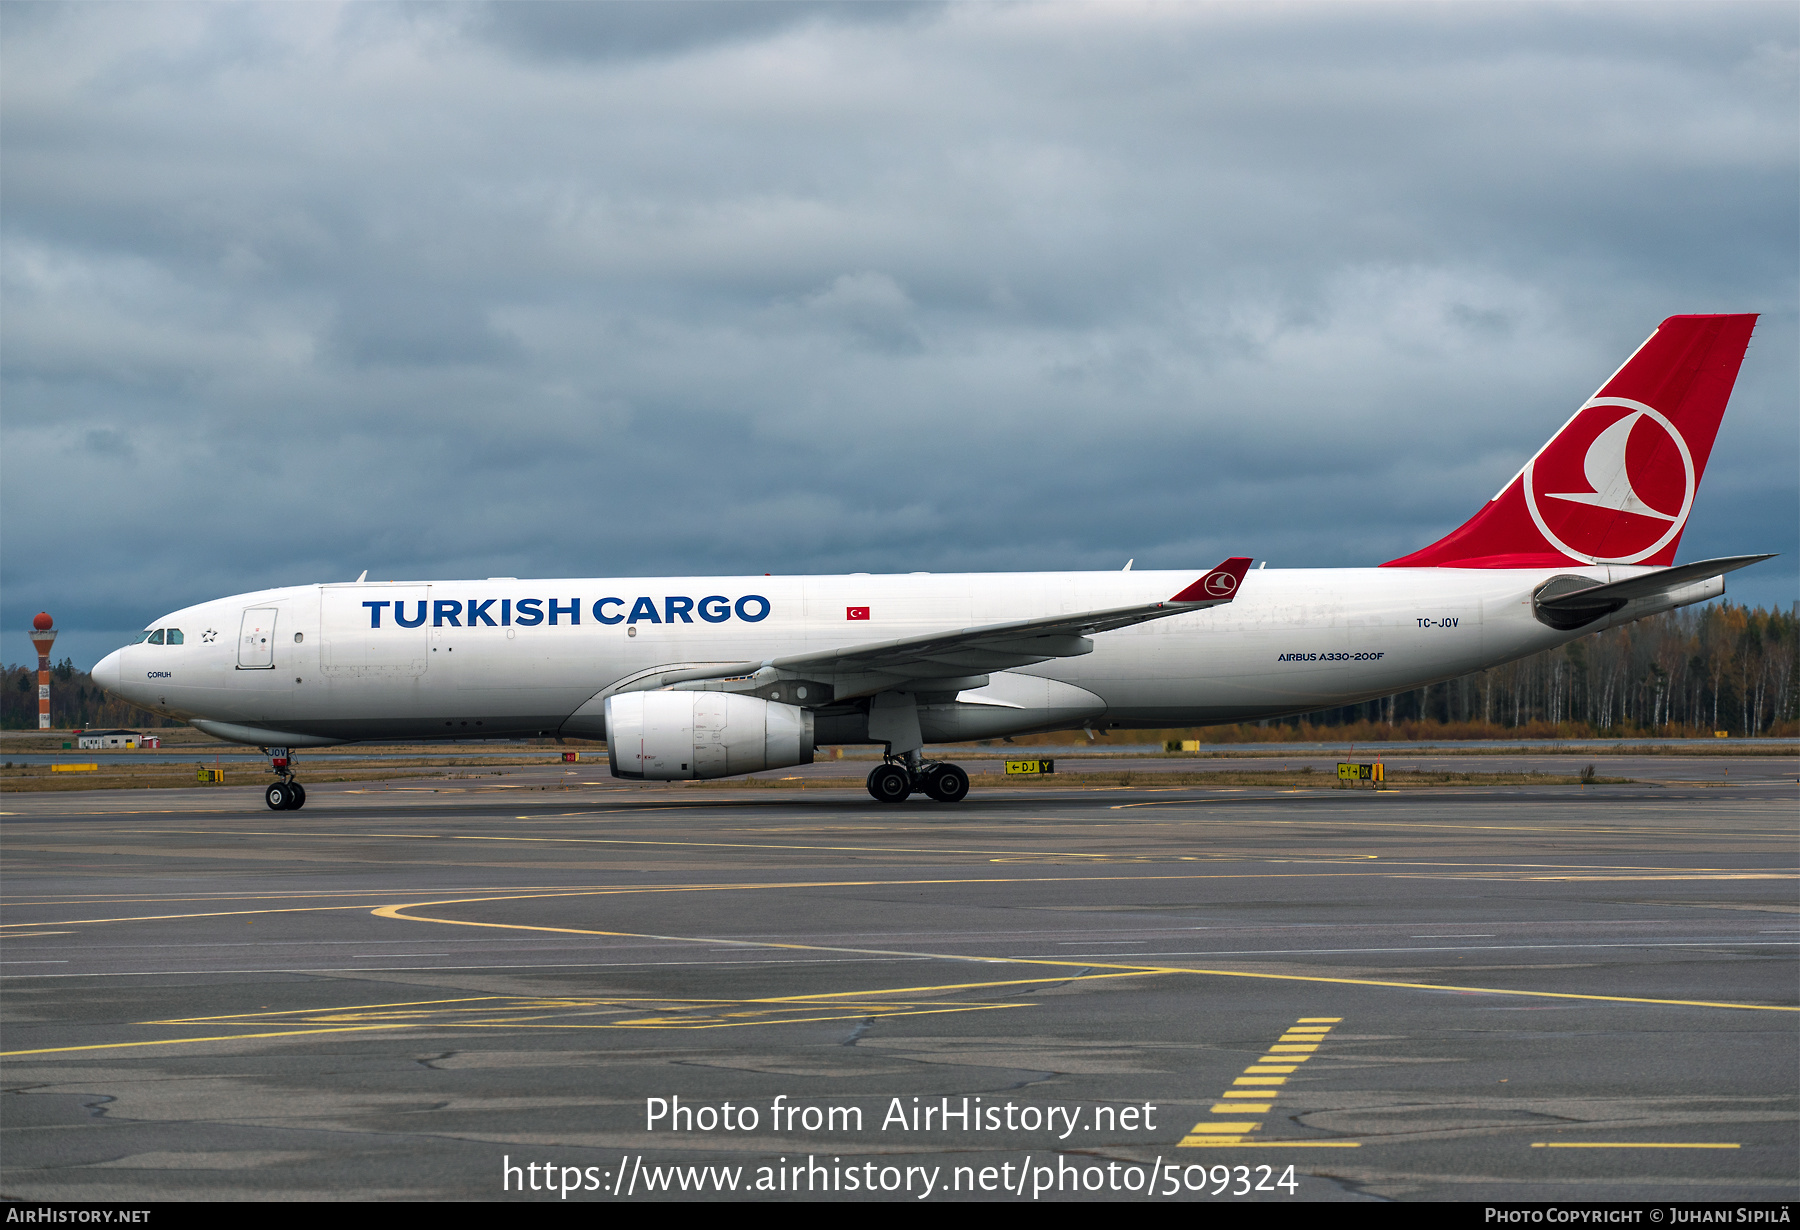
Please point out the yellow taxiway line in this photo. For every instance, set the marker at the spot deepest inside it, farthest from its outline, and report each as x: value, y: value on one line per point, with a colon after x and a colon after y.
x: 1621, y: 1144
x: 400, y: 913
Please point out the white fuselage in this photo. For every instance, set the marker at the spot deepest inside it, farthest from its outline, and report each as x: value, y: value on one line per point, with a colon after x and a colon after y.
x: 332, y: 663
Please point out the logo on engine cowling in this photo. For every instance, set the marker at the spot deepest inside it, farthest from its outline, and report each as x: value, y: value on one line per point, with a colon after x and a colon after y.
x: 1615, y: 486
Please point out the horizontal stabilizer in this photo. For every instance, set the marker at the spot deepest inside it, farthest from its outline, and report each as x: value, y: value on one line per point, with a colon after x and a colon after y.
x: 1650, y: 583
x: 1570, y: 602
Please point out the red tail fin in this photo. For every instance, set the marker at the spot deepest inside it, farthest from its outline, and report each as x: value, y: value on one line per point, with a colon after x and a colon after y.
x: 1615, y: 485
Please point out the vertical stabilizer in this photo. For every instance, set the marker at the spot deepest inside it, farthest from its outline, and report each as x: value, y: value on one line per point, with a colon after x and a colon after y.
x: 1616, y: 484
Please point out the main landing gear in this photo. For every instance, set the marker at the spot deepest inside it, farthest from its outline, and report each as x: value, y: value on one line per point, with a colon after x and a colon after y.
x: 286, y: 794
x: 893, y: 781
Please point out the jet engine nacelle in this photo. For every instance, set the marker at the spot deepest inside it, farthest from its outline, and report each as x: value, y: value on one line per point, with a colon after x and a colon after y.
x: 678, y: 736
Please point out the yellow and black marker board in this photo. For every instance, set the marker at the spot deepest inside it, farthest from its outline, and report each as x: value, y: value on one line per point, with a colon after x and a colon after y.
x: 1030, y: 766
x: 1360, y: 772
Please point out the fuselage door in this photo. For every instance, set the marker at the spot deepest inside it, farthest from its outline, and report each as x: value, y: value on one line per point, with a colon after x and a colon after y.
x: 256, y: 640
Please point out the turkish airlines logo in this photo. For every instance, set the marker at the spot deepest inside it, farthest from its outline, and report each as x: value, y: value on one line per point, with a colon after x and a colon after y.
x: 1615, y: 486
x: 1219, y: 584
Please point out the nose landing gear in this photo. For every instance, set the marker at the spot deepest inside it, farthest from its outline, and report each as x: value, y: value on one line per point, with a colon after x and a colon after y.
x: 286, y: 794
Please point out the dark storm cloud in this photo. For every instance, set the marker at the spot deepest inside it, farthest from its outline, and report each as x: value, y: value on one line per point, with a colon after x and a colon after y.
x: 554, y: 29
x: 407, y: 325
x: 292, y: 291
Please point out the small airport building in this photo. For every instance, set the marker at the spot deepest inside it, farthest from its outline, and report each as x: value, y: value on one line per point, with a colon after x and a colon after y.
x: 102, y: 739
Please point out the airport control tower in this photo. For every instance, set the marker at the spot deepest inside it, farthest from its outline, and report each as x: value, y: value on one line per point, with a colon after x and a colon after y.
x: 43, y: 635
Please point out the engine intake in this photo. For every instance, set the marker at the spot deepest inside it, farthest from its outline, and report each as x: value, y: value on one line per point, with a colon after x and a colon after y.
x: 685, y: 736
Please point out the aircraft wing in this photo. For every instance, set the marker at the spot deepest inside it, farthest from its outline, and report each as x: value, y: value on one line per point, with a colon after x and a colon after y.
x: 952, y: 659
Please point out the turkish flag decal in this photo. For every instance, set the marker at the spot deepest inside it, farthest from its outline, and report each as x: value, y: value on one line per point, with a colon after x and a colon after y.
x: 856, y: 612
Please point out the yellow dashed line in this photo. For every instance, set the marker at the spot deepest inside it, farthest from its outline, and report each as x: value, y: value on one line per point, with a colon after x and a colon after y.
x: 1226, y: 1134
x: 1226, y: 1142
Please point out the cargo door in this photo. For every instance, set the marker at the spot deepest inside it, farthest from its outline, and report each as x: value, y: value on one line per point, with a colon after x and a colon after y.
x: 256, y: 640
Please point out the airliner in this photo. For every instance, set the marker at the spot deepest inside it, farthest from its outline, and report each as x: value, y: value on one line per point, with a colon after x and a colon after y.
x: 709, y: 677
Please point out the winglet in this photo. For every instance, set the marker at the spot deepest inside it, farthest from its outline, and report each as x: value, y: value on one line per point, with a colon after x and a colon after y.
x: 1219, y: 585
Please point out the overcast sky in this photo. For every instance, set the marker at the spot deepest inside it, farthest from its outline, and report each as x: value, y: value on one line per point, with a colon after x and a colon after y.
x: 296, y: 290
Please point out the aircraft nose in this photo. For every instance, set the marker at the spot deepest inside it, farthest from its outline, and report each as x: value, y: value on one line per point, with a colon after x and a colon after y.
x: 106, y: 671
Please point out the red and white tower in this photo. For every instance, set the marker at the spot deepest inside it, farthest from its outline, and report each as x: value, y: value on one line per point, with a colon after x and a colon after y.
x: 43, y: 635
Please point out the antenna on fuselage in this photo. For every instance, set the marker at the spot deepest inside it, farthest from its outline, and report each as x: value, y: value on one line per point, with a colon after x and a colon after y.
x: 363, y: 577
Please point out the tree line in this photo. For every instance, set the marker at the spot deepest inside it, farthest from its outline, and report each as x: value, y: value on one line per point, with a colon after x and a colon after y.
x: 1685, y: 673
x: 75, y: 701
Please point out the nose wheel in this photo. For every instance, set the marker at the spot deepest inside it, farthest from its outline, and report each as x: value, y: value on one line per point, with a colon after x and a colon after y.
x: 285, y: 796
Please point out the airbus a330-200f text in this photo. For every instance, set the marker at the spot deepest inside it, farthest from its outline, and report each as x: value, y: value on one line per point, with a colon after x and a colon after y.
x: 705, y: 677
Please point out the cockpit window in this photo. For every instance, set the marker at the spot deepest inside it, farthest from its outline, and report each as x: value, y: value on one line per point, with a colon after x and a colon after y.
x: 156, y: 637
x: 142, y: 637
x: 174, y: 636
